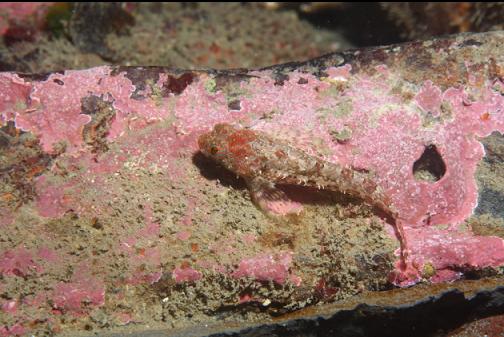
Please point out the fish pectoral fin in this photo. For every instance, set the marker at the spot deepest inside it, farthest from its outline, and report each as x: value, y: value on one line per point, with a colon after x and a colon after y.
x: 270, y: 199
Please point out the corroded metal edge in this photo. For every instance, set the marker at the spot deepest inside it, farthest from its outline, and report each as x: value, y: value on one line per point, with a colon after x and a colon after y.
x: 418, y: 311
x: 410, y: 55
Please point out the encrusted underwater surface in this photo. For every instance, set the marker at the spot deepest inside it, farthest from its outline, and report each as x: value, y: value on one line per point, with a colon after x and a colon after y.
x: 110, y: 215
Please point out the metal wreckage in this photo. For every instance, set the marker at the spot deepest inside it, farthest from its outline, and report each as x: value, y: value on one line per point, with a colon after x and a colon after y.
x: 114, y: 220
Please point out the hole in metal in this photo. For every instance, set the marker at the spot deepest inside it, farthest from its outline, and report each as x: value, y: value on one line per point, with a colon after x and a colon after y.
x: 430, y: 166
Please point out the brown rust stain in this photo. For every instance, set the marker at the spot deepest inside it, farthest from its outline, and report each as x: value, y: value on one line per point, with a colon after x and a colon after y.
x: 140, y: 77
x: 443, y: 61
x: 23, y: 161
x: 495, y: 70
x: 96, y: 131
x: 177, y: 84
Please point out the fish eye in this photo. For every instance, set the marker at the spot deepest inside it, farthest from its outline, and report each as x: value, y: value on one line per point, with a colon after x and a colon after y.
x: 214, y: 150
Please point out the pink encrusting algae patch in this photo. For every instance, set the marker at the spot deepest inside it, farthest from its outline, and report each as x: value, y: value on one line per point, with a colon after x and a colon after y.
x: 10, y: 306
x: 18, y: 262
x: 83, y: 290
x: 139, y: 252
x: 185, y: 274
x: 266, y: 267
x: 183, y: 235
x: 429, y: 98
x: 51, y: 200
x: 13, y: 96
x: 62, y: 119
x: 70, y: 296
x: 48, y: 255
x: 14, y: 330
x: 197, y: 110
x: 57, y: 120
x: 445, y: 249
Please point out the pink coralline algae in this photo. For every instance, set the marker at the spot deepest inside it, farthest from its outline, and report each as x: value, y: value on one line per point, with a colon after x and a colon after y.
x: 62, y: 119
x: 13, y: 96
x: 183, y: 235
x: 72, y: 296
x: 10, y: 306
x: 185, y: 274
x: 429, y: 98
x: 48, y: 255
x: 443, y: 249
x: 51, y: 200
x: 266, y: 267
x: 452, y: 198
x: 15, y: 330
x: 18, y: 262
x: 140, y: 254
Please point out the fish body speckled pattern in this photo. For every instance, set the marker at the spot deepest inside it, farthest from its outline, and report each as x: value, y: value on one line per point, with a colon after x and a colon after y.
x: 264, y: 161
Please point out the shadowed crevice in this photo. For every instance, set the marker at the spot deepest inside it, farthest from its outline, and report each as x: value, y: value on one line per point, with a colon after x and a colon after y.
x: 430, y: 166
